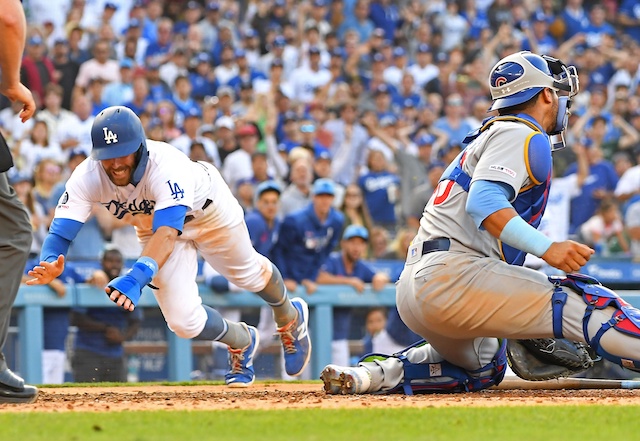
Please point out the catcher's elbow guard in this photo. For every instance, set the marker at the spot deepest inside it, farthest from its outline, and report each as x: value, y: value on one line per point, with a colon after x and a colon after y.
x: 547, y: 358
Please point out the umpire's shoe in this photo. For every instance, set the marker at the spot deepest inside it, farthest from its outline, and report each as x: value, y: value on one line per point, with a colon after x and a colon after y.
x: 13, y: 389
x: 241, y: 373
x: 295, y: 339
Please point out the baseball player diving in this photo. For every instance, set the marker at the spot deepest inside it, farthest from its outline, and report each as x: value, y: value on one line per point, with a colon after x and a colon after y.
x: 179, y: 208
x: 463, y: 288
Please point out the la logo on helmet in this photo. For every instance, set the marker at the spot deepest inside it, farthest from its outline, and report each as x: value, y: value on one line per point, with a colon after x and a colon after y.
x: 109, y: 136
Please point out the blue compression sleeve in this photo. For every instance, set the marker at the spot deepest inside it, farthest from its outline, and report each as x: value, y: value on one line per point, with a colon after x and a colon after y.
x: 487, y: 197
x: 524, y: 237
x: 170, y: 217
x: 61, y: 233
x: 53, y: 246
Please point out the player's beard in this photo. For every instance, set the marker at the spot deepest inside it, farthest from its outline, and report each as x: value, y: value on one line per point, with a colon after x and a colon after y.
x: 554, y: 110
x: 120, y: 176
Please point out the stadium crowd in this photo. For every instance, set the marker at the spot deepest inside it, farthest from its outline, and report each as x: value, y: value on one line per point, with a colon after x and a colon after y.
x: 363, y: 101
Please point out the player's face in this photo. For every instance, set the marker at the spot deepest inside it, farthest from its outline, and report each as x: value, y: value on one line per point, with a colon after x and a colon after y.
x: 120, y: 169
x: 268, y: 204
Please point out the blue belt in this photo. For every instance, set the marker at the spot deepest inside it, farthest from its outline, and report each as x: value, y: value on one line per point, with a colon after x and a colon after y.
x: 430, y: 246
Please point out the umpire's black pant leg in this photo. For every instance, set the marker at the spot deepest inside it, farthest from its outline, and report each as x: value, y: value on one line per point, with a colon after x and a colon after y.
x: 15, y: 243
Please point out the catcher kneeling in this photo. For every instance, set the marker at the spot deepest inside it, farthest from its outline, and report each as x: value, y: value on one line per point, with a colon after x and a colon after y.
x: 463, y: 287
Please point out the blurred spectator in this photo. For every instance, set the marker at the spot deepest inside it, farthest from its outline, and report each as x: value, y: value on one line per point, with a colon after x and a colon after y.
x: 22, y: 183
x: 158, y: 89
x: 347, y: 148
x: 184, y: 142
x: 120, y: 92
x: 346, y: 267
x: 628, y: 187
x: 183, y: 100
x: 297, y: 194
x: 53, y: 114
x: 629, y: 18
x: 378, y: 243
x: 100, y: 66
x: 306, y: 79
x: 632, y: 223
x: 237, y: 165
x: 421, y: 194
x: 306, y: 238
x: 159, y: 50
x: 98, y: 350
x: 423, y: 70
x: 38, y: 146
x: 37, y: 69
x: 11, y: 124
x: 376, y: 339
x: 603, y: 228
x: 66, y: 71
x: 95, y: 93
x: 166, y: 112
x: 453, y: 123
x: 386, y: 15
x: 77, y: 133
x: 381, y: 191
x: 599, y: 184
x: 353, y: 208
x: 140, y: 101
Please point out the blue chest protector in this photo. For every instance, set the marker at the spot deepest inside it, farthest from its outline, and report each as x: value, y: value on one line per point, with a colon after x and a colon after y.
x: 532, y: 200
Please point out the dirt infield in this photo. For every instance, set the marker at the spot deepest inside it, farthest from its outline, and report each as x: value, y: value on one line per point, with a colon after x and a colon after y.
x: 293, y: 395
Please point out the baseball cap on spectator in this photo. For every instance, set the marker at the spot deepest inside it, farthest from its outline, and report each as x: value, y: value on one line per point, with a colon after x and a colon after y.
x: 314, y: 50
x: 206, y: 128
x: 240, y: 53
x: 378, y: 57
x: 337, y: 52
x: 319, y: 3
x: 426, y: 139
x: 586, y: 142
x: 399, y: 52
x: 387, y: 120
x: 455, y: 100
x: 280, y: 3
x: 193, y: 5
x: 277, y: 62
x: 279, y: 41
x: 289, y: 115
x: 77, y: 152
x: 126, y: 63
x: 423, y: 48
x: 247, y: 130
x: 308, y: 128
x: 110, y: 5
x: 322, y: 153
x: 250, y: 33
x: 378, y: 32
x: 269, y: 185
x: 225, y: 122
x: 35, y: 40
x: 246, y: 85
x: 18, y: 177
x: 134, y: 23
x: 442, y: 57
x: 539, y: 16
x: 193, y: 112
x: 436, y: 164
x: 323, y: 186
x: 213, y: 6
x: 382, y: 88
x: 355, y: 231
x: 408, y: 103
x: 152, y: 65
x: 226, y: 91
x: 203, y: 57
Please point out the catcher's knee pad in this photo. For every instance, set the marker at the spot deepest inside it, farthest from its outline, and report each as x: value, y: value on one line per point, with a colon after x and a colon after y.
x: 445, y: 377
x: 625, y: 319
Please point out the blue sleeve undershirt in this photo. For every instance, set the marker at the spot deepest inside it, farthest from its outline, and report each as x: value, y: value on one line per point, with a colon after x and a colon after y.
x: 487, y: 197
x: 61, y: 233
x: 170, y: 217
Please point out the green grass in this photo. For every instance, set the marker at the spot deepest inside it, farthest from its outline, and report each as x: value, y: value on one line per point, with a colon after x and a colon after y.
x: 543, y: 423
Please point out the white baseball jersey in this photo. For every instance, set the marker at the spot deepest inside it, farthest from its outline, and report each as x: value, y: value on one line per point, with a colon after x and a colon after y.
x: 170, y: 179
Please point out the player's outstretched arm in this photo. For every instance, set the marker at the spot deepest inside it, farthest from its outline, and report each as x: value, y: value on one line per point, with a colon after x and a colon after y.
x: 46, y: 272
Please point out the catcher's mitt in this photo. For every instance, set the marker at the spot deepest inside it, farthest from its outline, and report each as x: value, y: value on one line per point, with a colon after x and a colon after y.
x: 547, y: 358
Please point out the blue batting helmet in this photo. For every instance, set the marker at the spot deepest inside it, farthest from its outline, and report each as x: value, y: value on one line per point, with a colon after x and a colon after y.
x: 116, y: 132
x: 519, y: 77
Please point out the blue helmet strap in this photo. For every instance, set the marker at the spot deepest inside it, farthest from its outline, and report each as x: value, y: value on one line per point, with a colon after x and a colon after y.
x: 142, y: 156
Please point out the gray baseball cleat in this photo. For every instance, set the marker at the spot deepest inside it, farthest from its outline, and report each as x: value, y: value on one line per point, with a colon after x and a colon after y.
x: 340, y: 380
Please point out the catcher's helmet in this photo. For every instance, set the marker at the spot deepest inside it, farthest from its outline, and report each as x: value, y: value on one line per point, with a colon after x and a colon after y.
x: 519, y: 77
x: 116, y: 132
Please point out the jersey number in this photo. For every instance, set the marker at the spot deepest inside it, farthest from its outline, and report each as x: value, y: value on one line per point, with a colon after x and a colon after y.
x: 109, y: 136
x: 176, y: 191
x: 442, y: 192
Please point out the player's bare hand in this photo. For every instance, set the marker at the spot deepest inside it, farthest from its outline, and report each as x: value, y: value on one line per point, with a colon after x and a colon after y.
x: 290, y: 284
x: 568, y: 256
x: 45, y: 272
x: 120, y: 299
x: 310, y: 286
x: 19, y: 93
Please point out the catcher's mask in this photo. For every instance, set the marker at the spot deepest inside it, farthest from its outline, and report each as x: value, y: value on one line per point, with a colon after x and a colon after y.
x: 519, y: 77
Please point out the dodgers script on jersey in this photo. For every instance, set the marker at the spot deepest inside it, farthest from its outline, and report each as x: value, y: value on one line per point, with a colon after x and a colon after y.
x: 500, y: 153
x: 174, y: 180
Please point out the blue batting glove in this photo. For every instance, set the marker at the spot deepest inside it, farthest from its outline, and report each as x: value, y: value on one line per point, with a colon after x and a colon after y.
x: 128, y: 286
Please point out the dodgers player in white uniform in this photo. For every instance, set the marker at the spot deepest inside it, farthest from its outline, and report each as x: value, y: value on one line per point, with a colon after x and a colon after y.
x: 463, y: 287
x: 179, y: 208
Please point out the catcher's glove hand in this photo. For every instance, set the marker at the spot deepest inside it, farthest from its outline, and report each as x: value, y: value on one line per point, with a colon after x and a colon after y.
x: 547, y: 358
